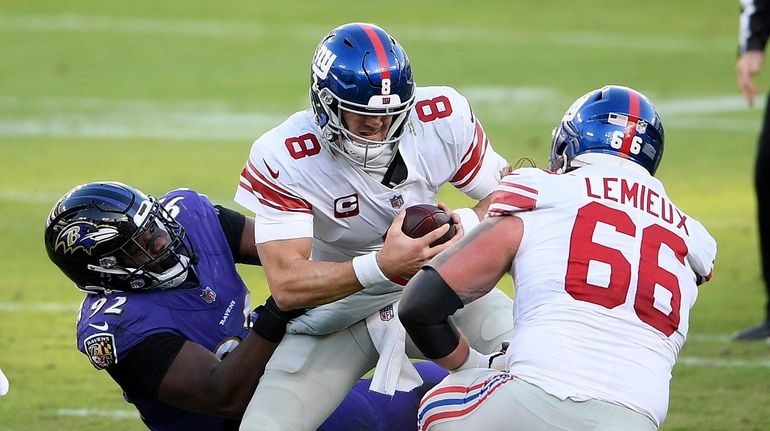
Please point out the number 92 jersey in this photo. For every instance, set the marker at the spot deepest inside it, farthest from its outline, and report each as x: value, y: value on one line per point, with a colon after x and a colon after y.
x: 211, y: 313
x: 605, y: 275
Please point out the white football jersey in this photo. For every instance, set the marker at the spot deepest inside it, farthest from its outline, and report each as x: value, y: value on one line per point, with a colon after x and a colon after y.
x: 298, y: 187
x: 605, y: 276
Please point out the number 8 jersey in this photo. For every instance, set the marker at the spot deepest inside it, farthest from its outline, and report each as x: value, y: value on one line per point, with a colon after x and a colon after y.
x: 605, y: 277
x: 298, y: 187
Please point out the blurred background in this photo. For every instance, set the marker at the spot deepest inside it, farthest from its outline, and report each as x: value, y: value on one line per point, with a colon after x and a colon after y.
x: 172, y: 94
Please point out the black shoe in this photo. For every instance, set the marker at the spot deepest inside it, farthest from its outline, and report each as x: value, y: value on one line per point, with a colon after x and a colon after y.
x: 758, y: 332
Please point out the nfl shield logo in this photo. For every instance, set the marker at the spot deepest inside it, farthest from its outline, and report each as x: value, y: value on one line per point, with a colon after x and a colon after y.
x: 396, y: 201
x: 208, y: 295
x: 386, y: 313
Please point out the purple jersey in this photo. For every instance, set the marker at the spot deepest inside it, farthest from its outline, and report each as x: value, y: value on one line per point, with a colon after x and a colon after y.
x: 211, y: 313
x: 363, y: 409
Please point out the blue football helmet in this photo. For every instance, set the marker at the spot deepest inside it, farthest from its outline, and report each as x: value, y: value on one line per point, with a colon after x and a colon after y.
x: 109, y: 236
x: 612, y: 120
x: 359, y: 68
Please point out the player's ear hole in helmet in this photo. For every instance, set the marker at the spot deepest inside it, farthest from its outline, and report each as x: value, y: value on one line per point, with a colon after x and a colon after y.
x: 358, y: 68
x: 109, y: 236
x: 612, y: 124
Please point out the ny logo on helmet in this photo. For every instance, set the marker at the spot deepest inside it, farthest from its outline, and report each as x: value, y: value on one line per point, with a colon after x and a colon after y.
x: 322, y: 61
x: 84, y: 235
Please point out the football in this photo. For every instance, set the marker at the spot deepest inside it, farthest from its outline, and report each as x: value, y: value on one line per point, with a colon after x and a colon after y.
x: 424, y: 218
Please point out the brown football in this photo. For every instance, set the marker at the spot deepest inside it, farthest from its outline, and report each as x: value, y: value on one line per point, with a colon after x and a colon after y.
x: 424, y: 218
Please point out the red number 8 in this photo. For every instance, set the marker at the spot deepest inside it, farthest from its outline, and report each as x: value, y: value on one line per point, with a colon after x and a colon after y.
x: 433, y: 109
x: 303, y: 146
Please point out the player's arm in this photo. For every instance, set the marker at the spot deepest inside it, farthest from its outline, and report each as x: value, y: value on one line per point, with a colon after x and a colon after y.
x: 462, y: 274
x: 296, y: 281
x: 478, y: 167
x: 239, y: 233
x: 187, y: 375
x: 754, y: 32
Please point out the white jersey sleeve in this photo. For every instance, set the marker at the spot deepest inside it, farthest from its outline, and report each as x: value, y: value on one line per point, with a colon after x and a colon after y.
x: 266, y: 186
x: 703, y: 250
x: 478, y: 168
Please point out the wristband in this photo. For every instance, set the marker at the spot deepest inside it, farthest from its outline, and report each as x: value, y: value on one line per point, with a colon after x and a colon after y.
x: 367, y: 271
x: 269, y: 324
x: 468, y: 218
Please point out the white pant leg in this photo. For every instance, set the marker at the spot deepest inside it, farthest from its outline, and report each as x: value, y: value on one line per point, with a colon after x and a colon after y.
x: 307, y: 378
x: 486, y: 323
x: 484, y: 399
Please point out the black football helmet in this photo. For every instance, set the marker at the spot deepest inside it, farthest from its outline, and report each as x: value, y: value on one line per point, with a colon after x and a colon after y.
x: 109, y: 236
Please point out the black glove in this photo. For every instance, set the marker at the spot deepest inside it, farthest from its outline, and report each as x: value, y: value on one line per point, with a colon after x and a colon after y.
x: 270, y: 322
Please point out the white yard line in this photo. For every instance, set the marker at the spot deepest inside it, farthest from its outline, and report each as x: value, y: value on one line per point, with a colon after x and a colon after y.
x: 101, y: 118
x: 724, y: 363
x: 69, y: 22
x: 112, y: 414
x: 46, y: 307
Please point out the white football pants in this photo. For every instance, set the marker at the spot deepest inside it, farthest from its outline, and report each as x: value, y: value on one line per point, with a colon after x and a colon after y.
x: 309, y: 376
x: 485, y: 399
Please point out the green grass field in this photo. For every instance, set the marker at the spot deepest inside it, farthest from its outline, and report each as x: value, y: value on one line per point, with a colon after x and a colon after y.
x: 168, y: 94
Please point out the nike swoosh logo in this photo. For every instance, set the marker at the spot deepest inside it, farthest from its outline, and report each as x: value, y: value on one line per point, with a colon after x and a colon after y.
x: 102, y: 327
x: 273, y: 173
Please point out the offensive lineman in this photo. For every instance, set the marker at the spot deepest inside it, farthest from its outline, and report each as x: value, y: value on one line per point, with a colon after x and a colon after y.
x: 326, y: 186
x: 606, y: 270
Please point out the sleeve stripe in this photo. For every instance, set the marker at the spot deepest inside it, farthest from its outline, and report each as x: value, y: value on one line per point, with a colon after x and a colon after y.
x: 269, y: 193
x: 507, y: 184
x: 472, y: 160
x: 508, y: 200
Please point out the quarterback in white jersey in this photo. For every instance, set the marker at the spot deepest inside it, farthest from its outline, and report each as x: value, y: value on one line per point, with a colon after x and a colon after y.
x: 606, y: 269
x: 328, y: 187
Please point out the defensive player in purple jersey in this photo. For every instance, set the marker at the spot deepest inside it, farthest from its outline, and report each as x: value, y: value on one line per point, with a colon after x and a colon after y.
x: 167, y: 315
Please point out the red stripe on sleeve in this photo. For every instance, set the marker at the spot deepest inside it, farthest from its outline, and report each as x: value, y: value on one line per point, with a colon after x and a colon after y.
x: 270, y: 194
x: 519, y: 186
x: 473, y: 159
x: 513, y: 199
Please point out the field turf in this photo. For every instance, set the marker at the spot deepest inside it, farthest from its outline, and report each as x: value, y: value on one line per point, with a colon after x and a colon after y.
x: 168, y: 94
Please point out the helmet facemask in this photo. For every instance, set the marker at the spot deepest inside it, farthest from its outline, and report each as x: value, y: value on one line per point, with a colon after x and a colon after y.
x: 140, y: 262
x: 359, y: 149
x: 108, y: 236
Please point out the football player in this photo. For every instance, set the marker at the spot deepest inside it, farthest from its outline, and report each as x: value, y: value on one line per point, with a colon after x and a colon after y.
x: 606, y: 269
x: 754, y: 23
x: 328, y: 187
x: 166, y: 313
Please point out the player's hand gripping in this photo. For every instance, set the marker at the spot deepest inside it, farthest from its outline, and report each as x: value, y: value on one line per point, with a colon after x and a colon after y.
x: 402, y: 256
x: 459, y: 232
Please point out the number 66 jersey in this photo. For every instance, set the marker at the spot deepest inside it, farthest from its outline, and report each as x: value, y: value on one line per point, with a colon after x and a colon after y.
x: 605, y: 275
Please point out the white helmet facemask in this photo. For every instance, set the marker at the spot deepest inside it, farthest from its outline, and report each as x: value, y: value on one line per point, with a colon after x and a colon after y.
x: 358, y: 149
